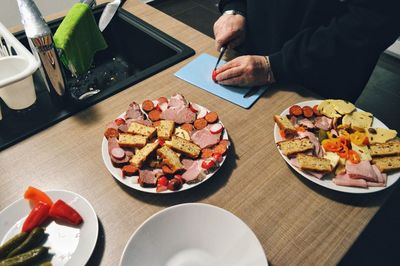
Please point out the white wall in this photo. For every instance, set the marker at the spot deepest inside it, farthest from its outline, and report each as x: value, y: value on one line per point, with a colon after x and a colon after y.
x: 10, y: 17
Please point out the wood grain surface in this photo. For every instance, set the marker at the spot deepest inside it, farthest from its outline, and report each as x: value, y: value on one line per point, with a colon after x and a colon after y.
x: 297, y: 222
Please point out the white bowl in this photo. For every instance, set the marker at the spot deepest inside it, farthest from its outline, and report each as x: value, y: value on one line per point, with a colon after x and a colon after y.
x: 193, y: 234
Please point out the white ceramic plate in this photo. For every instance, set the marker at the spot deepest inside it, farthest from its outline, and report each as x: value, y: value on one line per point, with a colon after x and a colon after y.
x: 327, y: 180
x: 69, y: 245
x: 193, y: 234
x: 131, y: 181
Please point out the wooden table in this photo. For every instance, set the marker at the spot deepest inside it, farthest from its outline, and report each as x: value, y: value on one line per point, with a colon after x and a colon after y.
x: 296, y: 221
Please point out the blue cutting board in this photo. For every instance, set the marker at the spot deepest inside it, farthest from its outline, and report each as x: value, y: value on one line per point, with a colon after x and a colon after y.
x: 198, y: 72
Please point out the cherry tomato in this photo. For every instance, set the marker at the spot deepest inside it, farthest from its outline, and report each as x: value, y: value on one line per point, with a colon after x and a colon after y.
x: 162, y: 181
x: 214, y: 75
x: 217, y: 157
x: 207, y: 164
x: 174, y: 184
x: 119, y: 121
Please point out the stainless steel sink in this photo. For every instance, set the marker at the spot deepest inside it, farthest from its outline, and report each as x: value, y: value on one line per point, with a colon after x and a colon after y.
x: 136, y: 51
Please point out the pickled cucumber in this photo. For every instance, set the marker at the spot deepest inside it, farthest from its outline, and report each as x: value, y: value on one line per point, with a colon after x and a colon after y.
x: 34, y: 238
x: 12, y: 243
x: 25, y: 258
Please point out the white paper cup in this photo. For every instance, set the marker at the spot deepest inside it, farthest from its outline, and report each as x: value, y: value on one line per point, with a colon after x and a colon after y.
x: 20, y: 94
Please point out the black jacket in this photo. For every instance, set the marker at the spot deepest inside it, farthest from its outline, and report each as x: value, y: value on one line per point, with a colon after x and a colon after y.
x: 328, y: 46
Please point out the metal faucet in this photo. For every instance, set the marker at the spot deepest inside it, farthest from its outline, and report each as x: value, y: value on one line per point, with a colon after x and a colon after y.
x: 42, y: 45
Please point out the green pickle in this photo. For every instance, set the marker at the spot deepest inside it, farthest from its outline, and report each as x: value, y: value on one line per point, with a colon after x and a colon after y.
x: 11, y: 244
x: 25, y: 258
x: 34, y: 238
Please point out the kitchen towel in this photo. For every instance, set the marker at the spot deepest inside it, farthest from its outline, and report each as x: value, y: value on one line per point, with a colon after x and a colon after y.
x: 198, y: 72
x: 79, y: 38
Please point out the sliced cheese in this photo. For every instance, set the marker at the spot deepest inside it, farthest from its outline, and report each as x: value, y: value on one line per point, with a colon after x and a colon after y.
x: 343, y: 107
x: 363, y: 151
x: 327, y: 108
x: 380, y: 135
x: 333, y: 158
x: 358, y: 120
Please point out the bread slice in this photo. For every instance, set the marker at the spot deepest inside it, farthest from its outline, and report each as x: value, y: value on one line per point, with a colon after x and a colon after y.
x: 284, y: 124
x: 293, y: 146
x: 184, y: 146
x: 386, y: 149
x: 165, y: 129
x: 141, y: 155
x: 387, y: 164
x: 358, y: 120
x: 139, y: 129
x: 380, y: 135
x: 131, y: 141
x: 170, y: 158
x: 313, y: 163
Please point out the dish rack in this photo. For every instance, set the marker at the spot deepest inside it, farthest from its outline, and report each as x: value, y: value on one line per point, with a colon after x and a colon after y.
x: 17, y: 65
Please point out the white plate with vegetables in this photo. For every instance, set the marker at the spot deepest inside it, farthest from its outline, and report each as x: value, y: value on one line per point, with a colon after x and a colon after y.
x: 193, y: 234
x: 67, y: 244
x: 327, y: 179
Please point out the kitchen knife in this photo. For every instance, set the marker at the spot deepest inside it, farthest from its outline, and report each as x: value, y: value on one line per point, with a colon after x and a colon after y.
x: 222, y: 51
x: 109, y: 12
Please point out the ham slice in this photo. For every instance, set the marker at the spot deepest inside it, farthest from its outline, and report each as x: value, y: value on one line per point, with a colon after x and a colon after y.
x: 133, y: 112
x: 362, y: 170
x: 204, y: 138
x: 347, y: 181
x: 148, y: 178
x: 316, y: 174
x: 177, y: 101
x: 193, y: 171
x: 123, y: 128
x: 306, y: 122
x: 323, y: 123
x: 179, y: 115
x: 187, y: 163
x: 318, y: 151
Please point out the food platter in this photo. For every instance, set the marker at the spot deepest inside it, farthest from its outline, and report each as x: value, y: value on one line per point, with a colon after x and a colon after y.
x: 326, y: 181
x: 69, y: 245
x: 132, y: 181
x: 193, y: 234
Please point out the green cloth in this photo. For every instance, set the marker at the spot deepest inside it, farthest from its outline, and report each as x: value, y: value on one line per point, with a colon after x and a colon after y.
x: 79, y: 38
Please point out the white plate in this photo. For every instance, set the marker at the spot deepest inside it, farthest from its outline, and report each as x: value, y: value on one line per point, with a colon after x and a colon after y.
x: 327, y: 180
x: 193, y: 234
x: 131, y: 181
x: 69, y: 245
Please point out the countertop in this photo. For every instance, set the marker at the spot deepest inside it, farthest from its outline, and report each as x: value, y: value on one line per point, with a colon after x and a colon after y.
x: 296, y: 221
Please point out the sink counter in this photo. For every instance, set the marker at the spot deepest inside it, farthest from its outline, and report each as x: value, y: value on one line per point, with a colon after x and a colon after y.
x: 297, y: 222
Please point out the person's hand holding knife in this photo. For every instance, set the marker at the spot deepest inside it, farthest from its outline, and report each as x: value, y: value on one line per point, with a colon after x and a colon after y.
x: 244, y: 71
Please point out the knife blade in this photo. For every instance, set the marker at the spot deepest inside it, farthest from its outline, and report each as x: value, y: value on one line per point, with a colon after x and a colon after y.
x: 222, y: 51
x: 108, y: 13
x: 251, y: 92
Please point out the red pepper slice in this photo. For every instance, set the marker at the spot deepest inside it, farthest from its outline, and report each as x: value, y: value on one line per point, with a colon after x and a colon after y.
x: 36, y: 195
x: 63, y: 211
x: 343, y: 152
x: 354, y: 157
x: 36, y: 217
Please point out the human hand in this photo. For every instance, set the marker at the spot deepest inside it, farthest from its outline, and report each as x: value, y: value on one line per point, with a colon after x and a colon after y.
x: 229, y: 29
x: 245, y: 71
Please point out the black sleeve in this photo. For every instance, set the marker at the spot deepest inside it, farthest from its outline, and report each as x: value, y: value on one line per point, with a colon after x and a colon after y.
x: 336, y: 59
x: 238, y: 5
